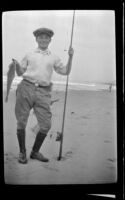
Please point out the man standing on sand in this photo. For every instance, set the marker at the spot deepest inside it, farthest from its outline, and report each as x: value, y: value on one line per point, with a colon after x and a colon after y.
x: 34, y: 91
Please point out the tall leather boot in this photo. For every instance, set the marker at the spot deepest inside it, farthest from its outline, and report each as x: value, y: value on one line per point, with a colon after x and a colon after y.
x: 35, y: 154
x: 21, y: 140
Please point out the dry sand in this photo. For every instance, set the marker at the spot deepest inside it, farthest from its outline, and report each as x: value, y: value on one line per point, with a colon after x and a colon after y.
x: 89, y: 146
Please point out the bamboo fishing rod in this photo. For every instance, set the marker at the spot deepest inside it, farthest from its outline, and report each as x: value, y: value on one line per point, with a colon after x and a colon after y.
x: 66, y: 91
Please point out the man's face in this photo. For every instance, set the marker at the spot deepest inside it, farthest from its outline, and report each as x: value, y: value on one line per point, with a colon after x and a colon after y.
x: 43, y: 41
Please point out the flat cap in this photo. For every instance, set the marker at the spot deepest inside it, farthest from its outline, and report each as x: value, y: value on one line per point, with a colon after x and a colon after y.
x: 40, y: 31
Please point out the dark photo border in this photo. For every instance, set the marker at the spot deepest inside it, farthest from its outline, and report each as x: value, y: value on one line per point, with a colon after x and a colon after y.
x: 77, y: 191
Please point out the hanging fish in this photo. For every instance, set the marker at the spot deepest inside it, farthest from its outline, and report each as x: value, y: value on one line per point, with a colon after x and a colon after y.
x: 10, y: 77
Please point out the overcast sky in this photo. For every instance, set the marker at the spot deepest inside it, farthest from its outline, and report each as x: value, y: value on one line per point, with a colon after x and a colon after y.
x: 93, y: 40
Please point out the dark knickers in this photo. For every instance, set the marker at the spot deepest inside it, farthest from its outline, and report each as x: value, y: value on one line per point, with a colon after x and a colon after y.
x: 29, y: 96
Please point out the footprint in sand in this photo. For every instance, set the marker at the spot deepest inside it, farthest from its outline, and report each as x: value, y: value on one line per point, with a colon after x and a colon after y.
x: 112, y: 159
x: 67, y: 155
x: 85, y: 117
x: 107, y: 113
x: 50, y: 168
x: 107, y: 141
x: 111, y: 167
x: 10, y: 157
x: 82, y: 134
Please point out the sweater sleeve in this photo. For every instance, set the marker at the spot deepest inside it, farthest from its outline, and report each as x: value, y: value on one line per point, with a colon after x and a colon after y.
x: 24, y: 62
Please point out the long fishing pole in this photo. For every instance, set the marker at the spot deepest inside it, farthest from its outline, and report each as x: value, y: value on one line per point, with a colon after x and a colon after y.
x: 62, y: 132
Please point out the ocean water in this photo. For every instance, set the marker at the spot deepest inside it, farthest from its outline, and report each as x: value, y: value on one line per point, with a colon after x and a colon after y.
x: 58, y: 85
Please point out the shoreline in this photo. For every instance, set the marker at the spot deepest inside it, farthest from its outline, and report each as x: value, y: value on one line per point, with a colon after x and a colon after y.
x: 57, y: 85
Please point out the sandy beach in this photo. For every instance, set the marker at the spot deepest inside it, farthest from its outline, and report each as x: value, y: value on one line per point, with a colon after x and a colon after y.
x: 89, y: 147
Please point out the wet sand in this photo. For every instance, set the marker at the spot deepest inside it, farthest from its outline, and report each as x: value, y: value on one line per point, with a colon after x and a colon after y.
x: 89, y: 147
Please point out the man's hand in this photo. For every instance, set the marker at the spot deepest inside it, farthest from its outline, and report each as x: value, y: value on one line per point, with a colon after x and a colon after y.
x: 19, y: 69
x: 15, y: 61
x: 70, y: 51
